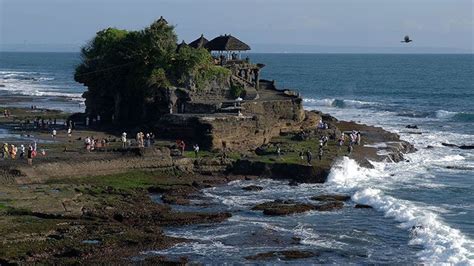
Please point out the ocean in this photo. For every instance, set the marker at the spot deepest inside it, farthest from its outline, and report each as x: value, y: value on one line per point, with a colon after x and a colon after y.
x: 423, y: 208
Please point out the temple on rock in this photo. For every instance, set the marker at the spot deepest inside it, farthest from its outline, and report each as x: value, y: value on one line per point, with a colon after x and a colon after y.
x: 231, y: 108
x: 219, y: 117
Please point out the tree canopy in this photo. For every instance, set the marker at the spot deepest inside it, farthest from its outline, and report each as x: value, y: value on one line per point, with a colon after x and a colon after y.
x: 119, y: 65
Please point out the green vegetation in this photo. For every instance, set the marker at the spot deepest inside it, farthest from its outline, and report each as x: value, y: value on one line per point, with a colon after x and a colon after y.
x: 128, y: 72
x: 236, y: 90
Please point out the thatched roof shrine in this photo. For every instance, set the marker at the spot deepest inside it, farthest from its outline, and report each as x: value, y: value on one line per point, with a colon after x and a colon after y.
x: 227, y: 43
x: 199, y: 42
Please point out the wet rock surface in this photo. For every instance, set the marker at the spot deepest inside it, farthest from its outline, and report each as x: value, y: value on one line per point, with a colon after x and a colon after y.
x: 332, y: 197
x: 252, y: 188
x: 287, y: 207
x: 283, y: 255
x: 362, y: 206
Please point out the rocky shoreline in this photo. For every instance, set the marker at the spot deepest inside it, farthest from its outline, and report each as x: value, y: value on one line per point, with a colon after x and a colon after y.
x: 97, y: 208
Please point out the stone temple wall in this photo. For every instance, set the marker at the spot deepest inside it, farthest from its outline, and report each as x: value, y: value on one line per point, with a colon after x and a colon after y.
x: 261, y: 121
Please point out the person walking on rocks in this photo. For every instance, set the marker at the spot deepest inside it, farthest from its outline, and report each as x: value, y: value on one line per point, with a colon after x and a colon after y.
x: 30, y: 155
x: 309, y: 156
x: 22, y: 151
x: 182, y: 145
x: 196, y: 149
x: 341, y: 140
x: 13, y: 151
x: 320, y: 153
x: 5, y: 150
x: 124, y: 140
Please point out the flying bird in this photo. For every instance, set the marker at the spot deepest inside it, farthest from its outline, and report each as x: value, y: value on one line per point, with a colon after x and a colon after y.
x: 406, y: 39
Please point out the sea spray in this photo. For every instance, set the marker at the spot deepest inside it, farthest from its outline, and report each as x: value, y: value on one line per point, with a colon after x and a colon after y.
x: 441, y: 243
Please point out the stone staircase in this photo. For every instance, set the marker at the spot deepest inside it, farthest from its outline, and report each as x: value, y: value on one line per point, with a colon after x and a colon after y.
x: 251, y: 92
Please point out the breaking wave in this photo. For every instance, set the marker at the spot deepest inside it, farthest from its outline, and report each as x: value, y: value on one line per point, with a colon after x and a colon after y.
x: 441, y: 243
x: 36, y: 84
x: 455, y: 116
x: 338, y: 103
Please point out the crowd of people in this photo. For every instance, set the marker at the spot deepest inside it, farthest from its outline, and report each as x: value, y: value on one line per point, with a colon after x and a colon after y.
x: 354, y: 139
x: 13, y: 152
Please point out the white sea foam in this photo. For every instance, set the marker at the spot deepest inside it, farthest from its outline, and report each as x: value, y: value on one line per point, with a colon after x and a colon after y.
x: 445, y: 114
x: 339, y: 103
x: 36, y: 90
x: 442, y: 244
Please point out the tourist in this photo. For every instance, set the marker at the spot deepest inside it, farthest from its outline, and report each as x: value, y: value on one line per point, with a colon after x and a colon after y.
x: 30, y: 155
x: 196, y: 149
x: 87, y: 144
x: 104, y: 144
x: 325, y: 140
x: 124, y: 140
x: 142, y: 140
x: 321, y: 142
x: 152, y: 138
x: 69, y: 133
x: 5, y: 150
x: 350, y: 148
x: 22, y: 151
x: 301, y: 155
x: 13, y: 151
x: 278, y: 151
x: 92, y: 147
x: 320, y: 153
x: 309, y: 156
x: 181, y: 145
x: 53, y: 134
x: 148, y: 139
x: 341, y: 140
x: 358, y: 137
x: 353, y: 137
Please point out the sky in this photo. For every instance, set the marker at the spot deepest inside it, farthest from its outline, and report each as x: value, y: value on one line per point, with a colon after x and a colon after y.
x: 266, y: 25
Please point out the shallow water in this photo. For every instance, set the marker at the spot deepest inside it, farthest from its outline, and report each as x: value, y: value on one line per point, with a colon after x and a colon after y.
x: 343, y: 236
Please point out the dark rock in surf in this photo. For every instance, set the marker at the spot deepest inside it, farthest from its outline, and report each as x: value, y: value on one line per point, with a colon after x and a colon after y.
x: 412, y: 126
x: 331, y: 198
x: 280, y: 207
x: 286, y: 207
x: 330, y: 206
x: 449, y: 145
x: 363, y: 206
x: 283, y: 255
x: 252, y: 188
x: 293, y: 183
x: 466, y: 147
